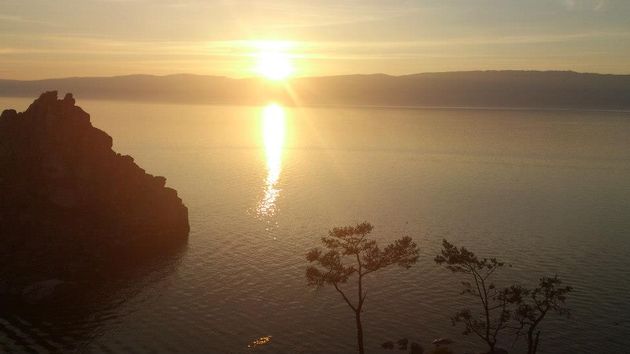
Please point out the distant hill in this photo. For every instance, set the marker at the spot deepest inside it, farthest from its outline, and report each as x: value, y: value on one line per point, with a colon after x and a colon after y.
x: 492, y: 89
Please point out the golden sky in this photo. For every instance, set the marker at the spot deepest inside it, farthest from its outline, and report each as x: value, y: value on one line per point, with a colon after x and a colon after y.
x: 45, y: 39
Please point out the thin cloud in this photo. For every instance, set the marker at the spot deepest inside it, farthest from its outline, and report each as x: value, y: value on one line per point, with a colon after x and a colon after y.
x: 594, y: 5
x: 20, y: 19
x: 92, y: 45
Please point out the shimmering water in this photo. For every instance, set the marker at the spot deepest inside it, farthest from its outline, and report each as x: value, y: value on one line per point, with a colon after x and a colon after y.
x: 548, y: 192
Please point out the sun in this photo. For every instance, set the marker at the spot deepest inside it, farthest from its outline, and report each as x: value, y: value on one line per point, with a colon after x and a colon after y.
x: 274, y: 66
x: 273, y: 60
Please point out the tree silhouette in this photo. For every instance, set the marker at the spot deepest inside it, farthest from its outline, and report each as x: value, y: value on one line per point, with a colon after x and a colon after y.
x: 495, y: 312
x: 349, y: 253
x: 533, y: 306
x: 502, y: 307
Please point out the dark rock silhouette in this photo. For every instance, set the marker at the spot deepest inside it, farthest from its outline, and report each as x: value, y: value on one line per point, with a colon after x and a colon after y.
x: 442, y: 341
x: 70, y: 206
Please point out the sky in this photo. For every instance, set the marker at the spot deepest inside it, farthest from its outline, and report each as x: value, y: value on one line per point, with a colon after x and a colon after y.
x: 62, y: 38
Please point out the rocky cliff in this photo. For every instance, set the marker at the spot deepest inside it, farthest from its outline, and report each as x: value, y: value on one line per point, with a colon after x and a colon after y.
x: 69, y: 204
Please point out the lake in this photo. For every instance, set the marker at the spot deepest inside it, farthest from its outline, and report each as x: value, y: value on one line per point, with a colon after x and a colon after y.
x: 546, y: 191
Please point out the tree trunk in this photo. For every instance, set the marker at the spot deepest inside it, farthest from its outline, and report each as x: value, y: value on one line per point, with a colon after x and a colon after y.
x: 536, y: 343
x: 532, y: 341
x: 359, y: 332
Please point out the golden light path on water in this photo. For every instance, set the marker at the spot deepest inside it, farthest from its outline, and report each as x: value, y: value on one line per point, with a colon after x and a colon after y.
x: 273, y: 131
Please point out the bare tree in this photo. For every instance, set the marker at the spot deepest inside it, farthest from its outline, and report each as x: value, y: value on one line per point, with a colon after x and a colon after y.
x: 349, y: 253
x: 533, y: 306
x: 495, y: 303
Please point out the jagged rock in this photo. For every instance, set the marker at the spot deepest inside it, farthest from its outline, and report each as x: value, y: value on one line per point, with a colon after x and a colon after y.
x: 388, y: 345
x: 402, y: 344
x: 416, y: 348
x: 69, y: 203
x: 498, y: 351
x: 442, y: 341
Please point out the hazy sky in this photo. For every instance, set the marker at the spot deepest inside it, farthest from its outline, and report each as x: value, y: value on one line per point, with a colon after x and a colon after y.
x: 45, y: 38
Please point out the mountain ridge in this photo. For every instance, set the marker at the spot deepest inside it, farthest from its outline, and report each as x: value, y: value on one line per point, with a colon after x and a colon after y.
x: 428, y: 73
x: 490, y: 88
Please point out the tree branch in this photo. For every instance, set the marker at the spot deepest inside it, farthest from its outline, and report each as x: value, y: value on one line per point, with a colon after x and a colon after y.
x: 344, y: 297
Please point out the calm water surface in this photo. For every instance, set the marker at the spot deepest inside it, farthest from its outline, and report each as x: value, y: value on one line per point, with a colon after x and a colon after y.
x: 548, y: 192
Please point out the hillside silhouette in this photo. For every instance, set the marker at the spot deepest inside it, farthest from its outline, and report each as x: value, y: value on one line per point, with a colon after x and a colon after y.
x: 481, y: 89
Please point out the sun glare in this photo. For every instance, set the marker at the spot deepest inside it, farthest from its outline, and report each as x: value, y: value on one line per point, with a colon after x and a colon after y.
x: 273, y: 138
x: 273, y: 133
x: 274, y: 60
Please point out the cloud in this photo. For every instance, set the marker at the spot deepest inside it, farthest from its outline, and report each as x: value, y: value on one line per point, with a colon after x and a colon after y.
x: 580, y: 5
x: 13, y: 18
x: 20, y: 19
x: 68, y: 46
x: 600, y: 5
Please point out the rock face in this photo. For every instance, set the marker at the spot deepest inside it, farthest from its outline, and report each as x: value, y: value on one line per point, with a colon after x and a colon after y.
x: 69, y: 203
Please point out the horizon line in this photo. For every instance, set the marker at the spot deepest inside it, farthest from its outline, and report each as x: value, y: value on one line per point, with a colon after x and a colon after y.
x: 321, y: 76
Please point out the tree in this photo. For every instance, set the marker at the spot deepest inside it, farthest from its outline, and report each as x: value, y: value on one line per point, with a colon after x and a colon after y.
x: 495, y: 312
x: 500, y: 308
x: 533, y: 306
x: 350, y: 254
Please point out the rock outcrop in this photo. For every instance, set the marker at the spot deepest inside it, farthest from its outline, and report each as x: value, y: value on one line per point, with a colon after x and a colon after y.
x: 69, y: 204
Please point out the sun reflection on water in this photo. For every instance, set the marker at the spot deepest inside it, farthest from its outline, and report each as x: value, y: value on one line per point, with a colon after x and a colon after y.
x: 273, y: 129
